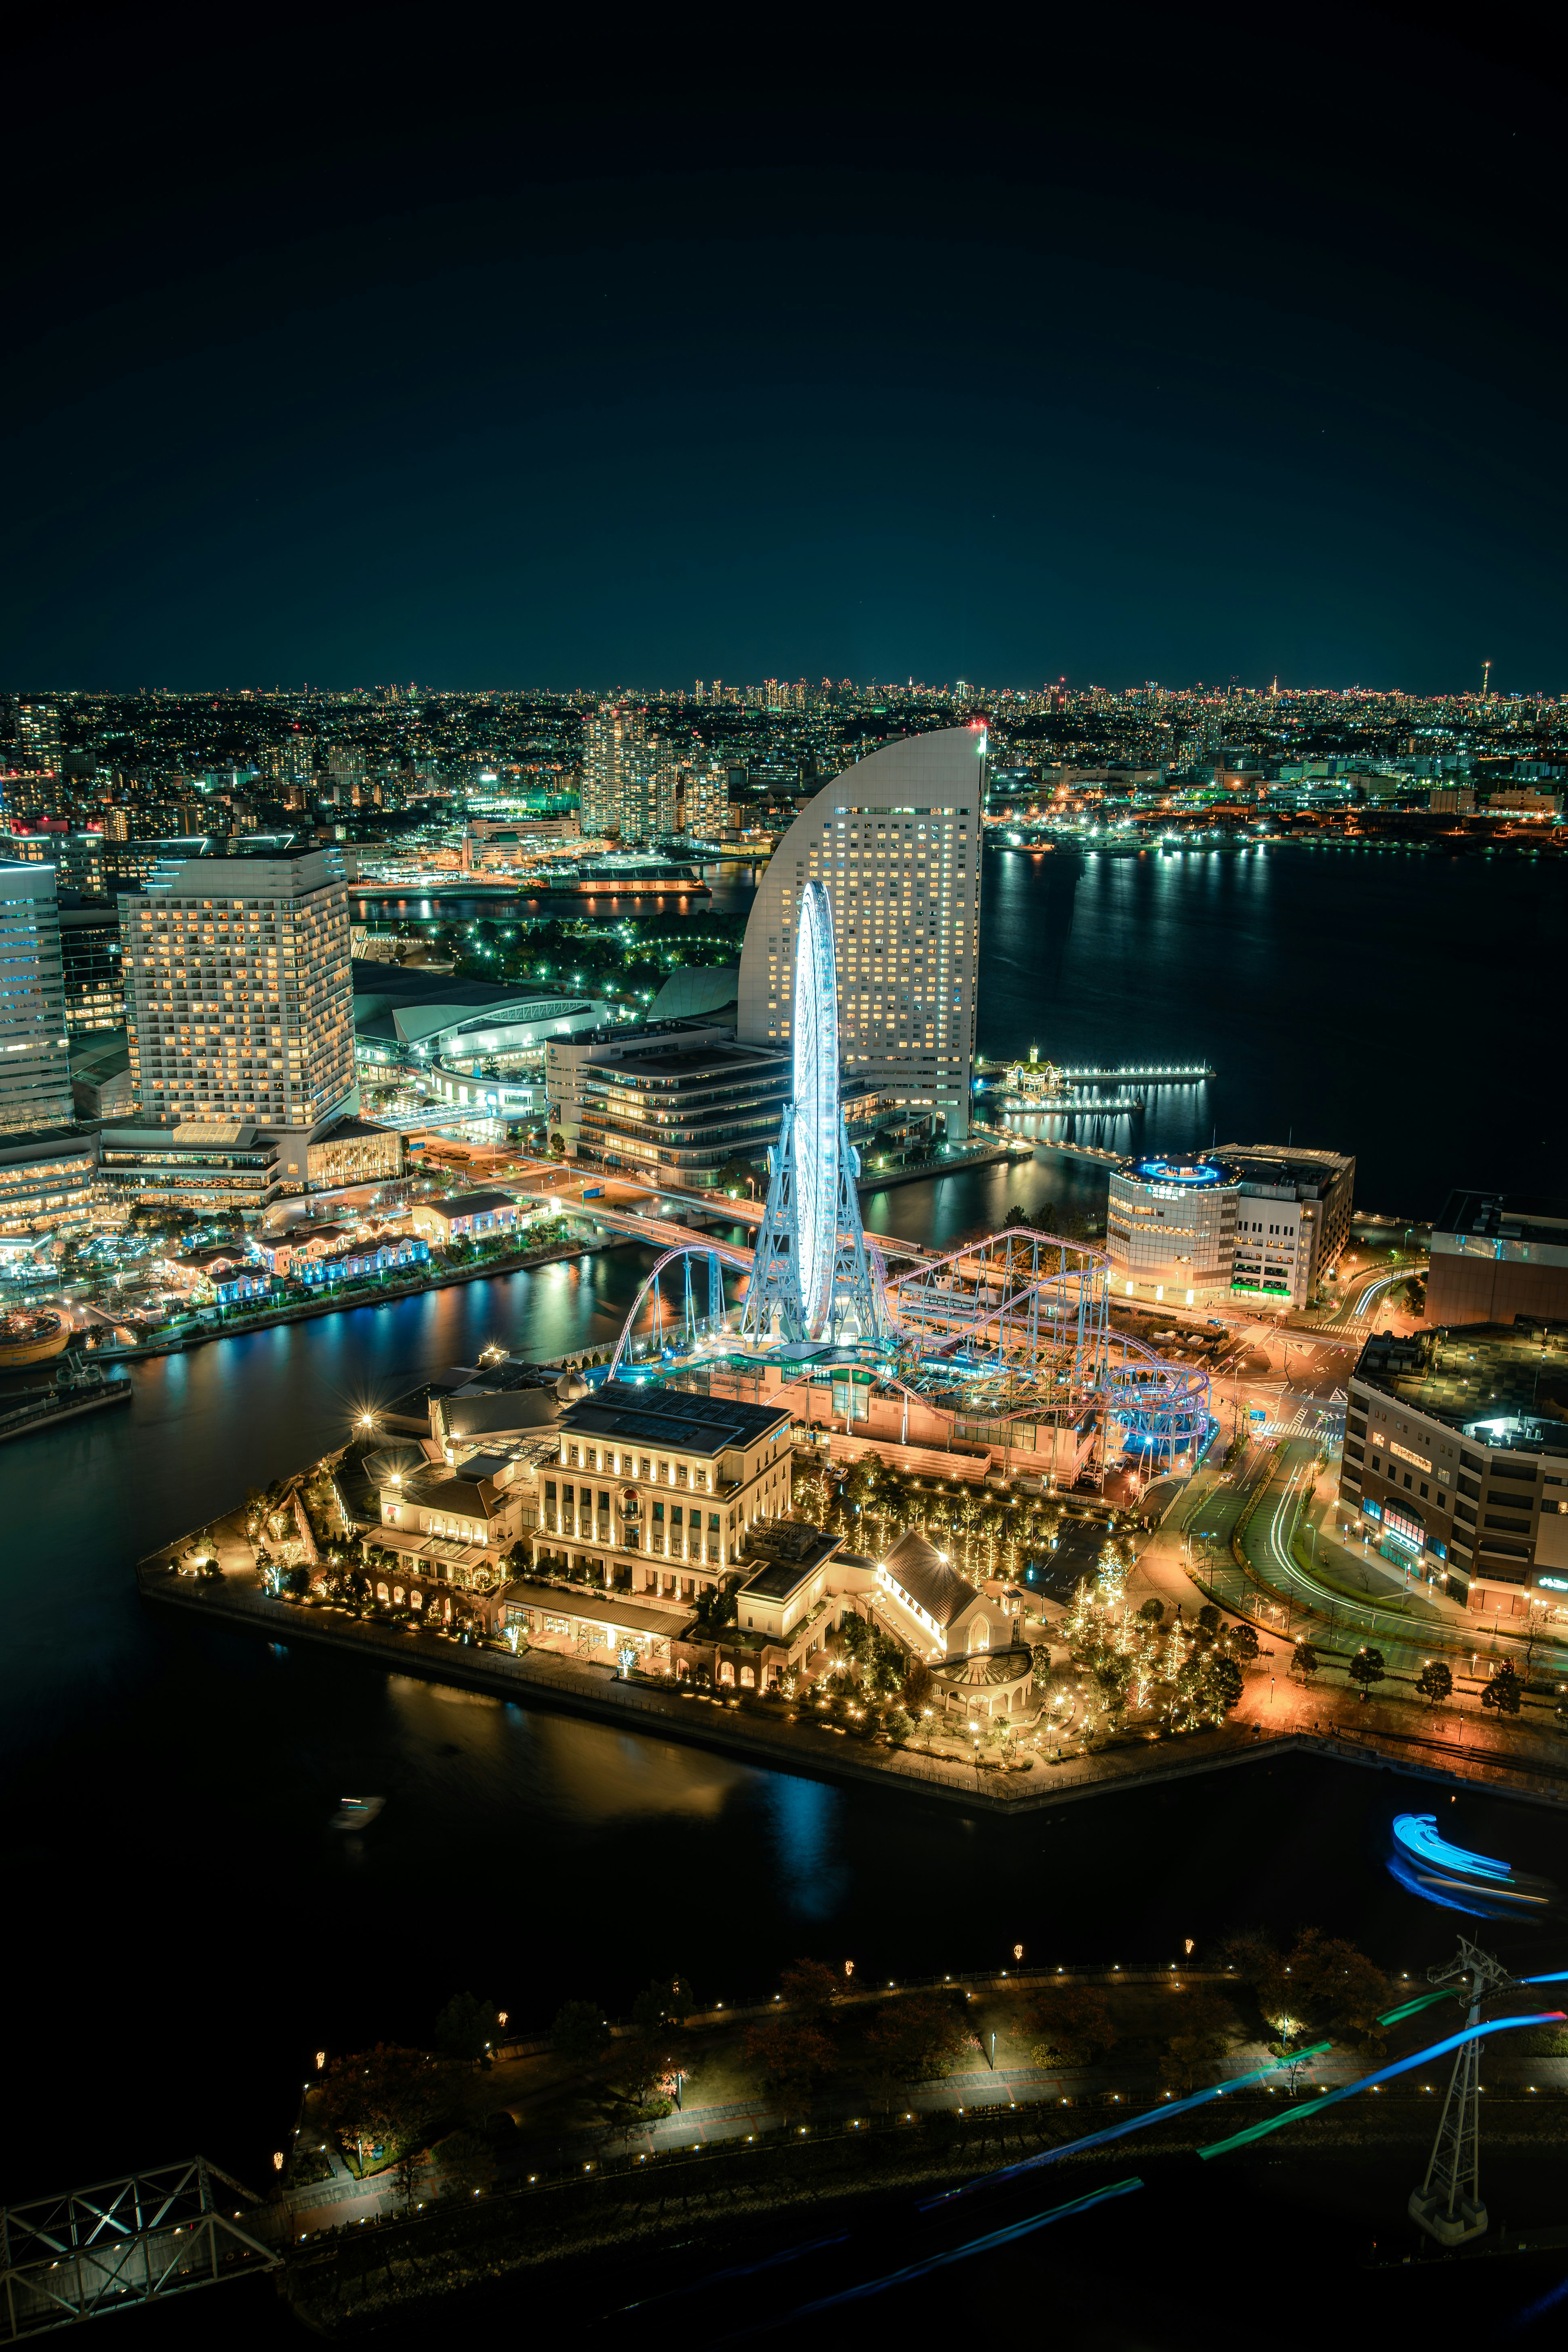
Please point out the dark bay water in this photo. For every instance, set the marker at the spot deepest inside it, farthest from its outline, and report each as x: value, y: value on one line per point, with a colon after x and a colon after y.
x: 181, y: 1924
x: 1349, y: 997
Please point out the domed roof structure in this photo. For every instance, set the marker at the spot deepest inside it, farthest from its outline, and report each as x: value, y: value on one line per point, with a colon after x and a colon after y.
x: 571, y: 1387
x: 989, y: 1669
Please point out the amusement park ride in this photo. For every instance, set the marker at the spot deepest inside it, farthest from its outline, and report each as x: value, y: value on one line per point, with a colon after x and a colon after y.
x: 1017, y: 1323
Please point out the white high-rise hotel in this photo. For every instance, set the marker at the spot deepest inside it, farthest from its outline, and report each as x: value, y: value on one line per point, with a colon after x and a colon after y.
x: 895, y: 841
x: 239, y: 990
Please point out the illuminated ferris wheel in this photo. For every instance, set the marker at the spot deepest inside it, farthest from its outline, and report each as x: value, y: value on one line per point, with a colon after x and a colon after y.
x: 812, y: 1278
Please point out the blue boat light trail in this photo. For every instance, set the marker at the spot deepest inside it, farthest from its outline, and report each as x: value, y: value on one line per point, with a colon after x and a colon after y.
x: 986, y: 2245
x: 1418, y: 1832
x: 1384, y: 2074
x: 1119, y: 2130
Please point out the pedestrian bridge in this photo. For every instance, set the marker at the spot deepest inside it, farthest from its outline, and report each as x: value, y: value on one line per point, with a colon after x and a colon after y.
x: 141, y: 2239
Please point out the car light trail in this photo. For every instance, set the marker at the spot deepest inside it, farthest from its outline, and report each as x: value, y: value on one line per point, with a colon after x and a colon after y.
x: 986, y: 2245
x: 1384, y: 2074
x: 1120, y: 2130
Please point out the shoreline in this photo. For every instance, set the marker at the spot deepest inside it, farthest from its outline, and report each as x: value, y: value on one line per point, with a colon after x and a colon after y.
x: 305, y: 1310
x: 807, y: 1749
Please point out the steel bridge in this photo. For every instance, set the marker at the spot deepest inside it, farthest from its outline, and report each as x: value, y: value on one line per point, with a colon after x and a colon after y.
x: 119, y: 2243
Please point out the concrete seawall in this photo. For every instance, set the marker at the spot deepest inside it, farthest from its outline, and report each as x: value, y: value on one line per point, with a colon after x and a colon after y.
x: 542, y: 1679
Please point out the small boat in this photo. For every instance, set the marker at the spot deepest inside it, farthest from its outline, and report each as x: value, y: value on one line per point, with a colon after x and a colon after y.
x: 357, y: 1813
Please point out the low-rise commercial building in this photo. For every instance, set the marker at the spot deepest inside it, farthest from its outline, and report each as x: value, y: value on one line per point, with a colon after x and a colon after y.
x: 216, y: 1276
x: 1455, y: 1461
x: 47, y: 1181
x: 352, y: 1152
x: 207, y: 1166
x: 464, y: 1216
x: 683, y: 1097
x: 1497, y: 1256
x: 1170, y: 1230
x: 1292, y: 1219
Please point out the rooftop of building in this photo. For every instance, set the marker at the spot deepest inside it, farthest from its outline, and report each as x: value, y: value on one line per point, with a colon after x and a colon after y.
x: 350, y: 1130
x: 1186, y: 1175
x: 459, y: 1494
x: 470, y: 1204
x: 719, y: 1057
x: 598, y: 1608
x: 99, y: 1054
x: 1501, y: 1384
x: 989, y: 1669
x: 671, y: 1417
x: 933, y: 1583
x: 509, y: 1411
x: 1281, y: 1167
x: 35, y: 1142
x: 685, y: 1035
x: 1504, y: 1216
x: 695, y: 990
x: 787, y: 1552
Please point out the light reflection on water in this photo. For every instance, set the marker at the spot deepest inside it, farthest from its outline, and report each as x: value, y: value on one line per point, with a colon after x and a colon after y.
x: 806, y: 1820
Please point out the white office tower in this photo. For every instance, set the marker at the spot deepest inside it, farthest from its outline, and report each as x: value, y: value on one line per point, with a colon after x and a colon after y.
x: 895, y: 841
x: 35, y: 1070
x: 237, y: 989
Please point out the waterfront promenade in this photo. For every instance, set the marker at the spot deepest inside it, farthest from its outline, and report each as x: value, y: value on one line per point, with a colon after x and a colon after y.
x: 770, y: 1737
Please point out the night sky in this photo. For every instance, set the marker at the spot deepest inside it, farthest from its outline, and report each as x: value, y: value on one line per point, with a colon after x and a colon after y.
x: 352, y: 348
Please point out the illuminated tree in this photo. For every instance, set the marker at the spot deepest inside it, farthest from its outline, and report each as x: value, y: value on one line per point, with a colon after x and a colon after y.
x: 385, y: 2098
x: 1367, y: 1668
x: 1503, y: 1692
x: 1434, y: 1682
x: 1073, y: 2023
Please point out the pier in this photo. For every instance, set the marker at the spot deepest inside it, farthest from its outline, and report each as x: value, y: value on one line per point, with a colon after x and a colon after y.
x: 1168, y: 1074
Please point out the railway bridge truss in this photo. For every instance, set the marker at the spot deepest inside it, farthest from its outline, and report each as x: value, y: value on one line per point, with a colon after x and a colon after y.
x: 142, y: 2238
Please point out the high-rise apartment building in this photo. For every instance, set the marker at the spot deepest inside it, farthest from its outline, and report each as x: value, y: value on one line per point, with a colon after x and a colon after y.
x: 35, y: 1071
x: 628, y: 775
x: 239, y: 990
x: 703, y: 806
x: 38, y: 737
x: 896, y: 842
x: 610, y: 735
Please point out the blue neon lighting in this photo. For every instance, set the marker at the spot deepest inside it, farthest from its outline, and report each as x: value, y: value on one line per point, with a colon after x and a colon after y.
x: 1418, y: 1832
x: 1119, y: 2130
x: 1384, y: 2074
x: 987, y: 2244
x: 1177, y: 1172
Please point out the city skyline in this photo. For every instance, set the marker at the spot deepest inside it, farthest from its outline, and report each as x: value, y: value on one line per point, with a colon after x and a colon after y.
x: 1164, y: 352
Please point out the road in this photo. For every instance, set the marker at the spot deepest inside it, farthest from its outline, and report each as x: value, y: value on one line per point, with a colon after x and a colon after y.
x: 1263, y: 1497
